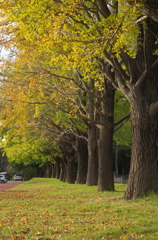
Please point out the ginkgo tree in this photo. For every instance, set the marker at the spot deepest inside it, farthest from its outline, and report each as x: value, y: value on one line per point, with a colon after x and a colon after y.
x: 32, y: 105
x: 30, y: 88
x: 93, y: 178
x: 90, y: 66
x: 32, y: 84
x: 110, y: 43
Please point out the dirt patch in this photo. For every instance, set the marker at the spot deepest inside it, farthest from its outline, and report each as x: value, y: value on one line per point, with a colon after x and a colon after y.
x: 107, y: 200
x: 8, y: 185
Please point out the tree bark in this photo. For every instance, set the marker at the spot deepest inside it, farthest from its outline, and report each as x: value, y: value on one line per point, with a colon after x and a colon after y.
x: 68, y: 151
x: 92, y: 173
x: 105, y: 142
x: 143, y: 176
x: 48, y: 170
x: 62, y: 172
x: 70, y: 171
x: 57, y: 170
x: 82, y: 154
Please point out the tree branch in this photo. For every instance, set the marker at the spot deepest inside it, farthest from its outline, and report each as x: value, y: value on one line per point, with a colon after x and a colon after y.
x: 121, y: 122
x: 122, y: 77
x: 97, y: 123
x: 122, y: 119
x: 145, y: 73
x: 103, y: 8
x: 150, y: 8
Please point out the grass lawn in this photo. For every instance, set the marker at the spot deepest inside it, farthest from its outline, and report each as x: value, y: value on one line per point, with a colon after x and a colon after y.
x: 50, y: 209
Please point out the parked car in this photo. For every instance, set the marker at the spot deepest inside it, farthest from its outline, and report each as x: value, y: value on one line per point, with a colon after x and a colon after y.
x: 7, y: 176
x: 18, y: 177
x: 3, y: 178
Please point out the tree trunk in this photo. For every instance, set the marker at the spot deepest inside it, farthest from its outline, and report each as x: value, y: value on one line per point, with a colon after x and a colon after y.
x: 82, y: 154
x: 92, y: 174
x: 53, y: 171
x: 48, y: 170
x: 62, y: 172
x: 70, y: 171
x: 57, y: 170
x: 40, y: 172
x: 143, y: 176
x: 105, y: 170
x: 68, y: 152
x: 105, y: 143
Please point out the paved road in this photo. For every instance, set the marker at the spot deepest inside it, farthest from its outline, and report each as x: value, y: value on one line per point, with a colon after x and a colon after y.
x: 9, y: 184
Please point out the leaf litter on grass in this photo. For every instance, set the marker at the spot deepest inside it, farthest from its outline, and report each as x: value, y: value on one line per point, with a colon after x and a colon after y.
x: 50, y: 209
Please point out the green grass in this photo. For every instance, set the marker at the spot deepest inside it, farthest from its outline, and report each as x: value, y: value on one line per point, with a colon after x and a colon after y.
x: 50, y: 209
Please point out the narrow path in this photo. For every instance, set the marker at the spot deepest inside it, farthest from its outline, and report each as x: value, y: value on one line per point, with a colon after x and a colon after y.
x: 9, y: 184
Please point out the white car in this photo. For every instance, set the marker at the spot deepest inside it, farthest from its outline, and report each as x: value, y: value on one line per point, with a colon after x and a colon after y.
x: 18, y: 177
x: 3, y: 179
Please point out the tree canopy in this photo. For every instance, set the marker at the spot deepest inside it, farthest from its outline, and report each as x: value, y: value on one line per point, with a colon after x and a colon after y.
x: 66, y: 57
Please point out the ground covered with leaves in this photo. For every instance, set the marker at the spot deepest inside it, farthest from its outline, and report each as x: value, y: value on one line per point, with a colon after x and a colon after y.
x: 50, y: 209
